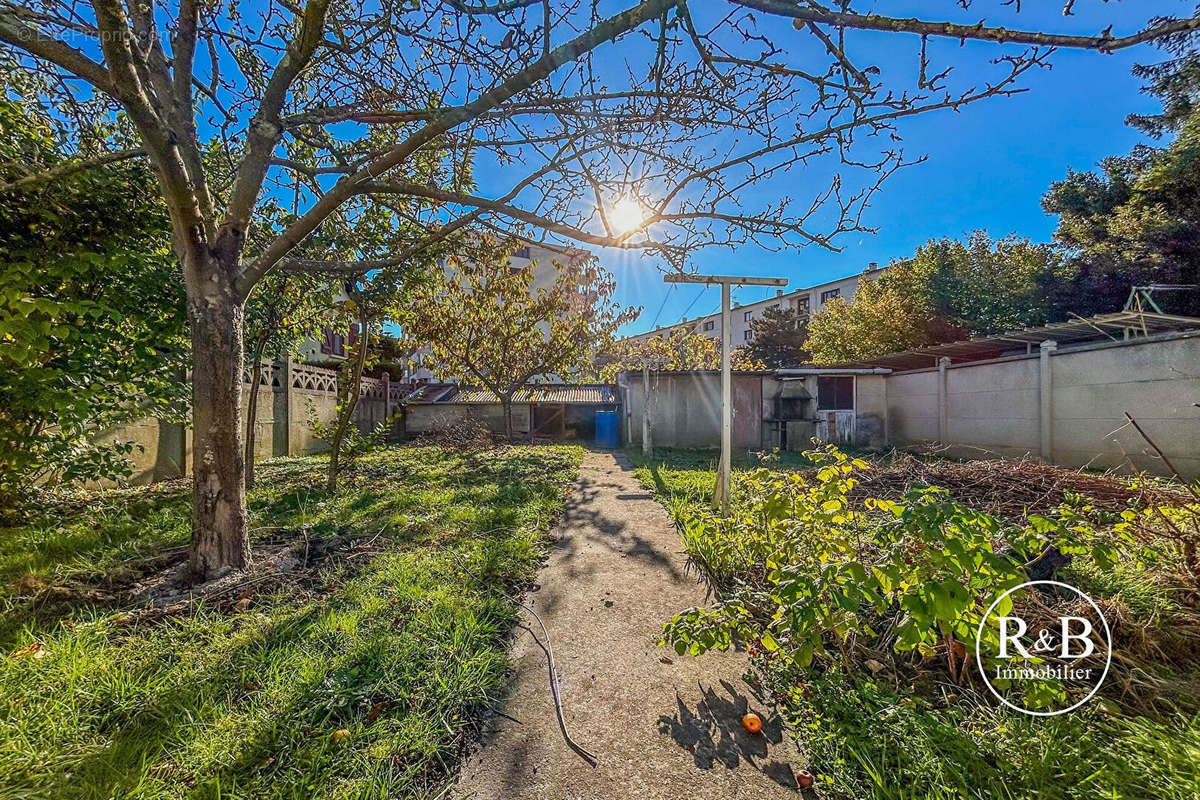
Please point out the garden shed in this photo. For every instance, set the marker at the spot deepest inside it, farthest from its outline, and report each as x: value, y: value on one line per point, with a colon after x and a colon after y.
x: 771, y: 409
x: 549, y: 412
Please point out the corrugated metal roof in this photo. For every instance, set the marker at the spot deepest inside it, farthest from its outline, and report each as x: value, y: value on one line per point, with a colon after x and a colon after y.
x: 578, y: 394
x: 432, y: 392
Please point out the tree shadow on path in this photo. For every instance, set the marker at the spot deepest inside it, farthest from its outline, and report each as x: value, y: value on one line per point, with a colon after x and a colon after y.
x: 713, y: 734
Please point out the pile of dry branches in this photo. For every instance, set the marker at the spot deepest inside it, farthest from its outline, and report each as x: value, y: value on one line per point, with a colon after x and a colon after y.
x: 462, y: 434
x: 1007, y: 488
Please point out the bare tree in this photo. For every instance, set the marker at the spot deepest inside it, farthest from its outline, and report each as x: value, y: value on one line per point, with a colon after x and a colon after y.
x: 531, y: 117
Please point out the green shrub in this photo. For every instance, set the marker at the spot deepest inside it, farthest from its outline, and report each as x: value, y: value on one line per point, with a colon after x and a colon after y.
x: 925, y: 570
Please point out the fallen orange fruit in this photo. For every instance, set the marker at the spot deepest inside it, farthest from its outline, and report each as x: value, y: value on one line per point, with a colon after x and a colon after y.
x: 752, y: 723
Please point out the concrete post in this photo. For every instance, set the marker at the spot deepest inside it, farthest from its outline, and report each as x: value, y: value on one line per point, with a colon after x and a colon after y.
x: 721, y: 498
x: 289, y: 407
x: 1046, y: 398
x: 942, y: 402
x: 722, y: 494
x: 887, y: 412
x: 647, y: 447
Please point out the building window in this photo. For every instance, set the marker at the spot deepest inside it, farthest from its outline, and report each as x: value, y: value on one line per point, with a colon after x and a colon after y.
x: 333, y: 344
x: 522, y: 252
x: 829, y: 295
x: 708, y: 326
x: 802, y: 304
x: 835, y: 393
x: 747, y: 316
x: 748, y: 335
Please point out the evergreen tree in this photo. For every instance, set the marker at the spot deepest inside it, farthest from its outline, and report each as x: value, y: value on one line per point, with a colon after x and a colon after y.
x: 778, y: 339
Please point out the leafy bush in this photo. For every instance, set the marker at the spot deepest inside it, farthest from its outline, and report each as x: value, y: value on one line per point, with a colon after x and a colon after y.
x: 92, y: 317
x: 807, y: 575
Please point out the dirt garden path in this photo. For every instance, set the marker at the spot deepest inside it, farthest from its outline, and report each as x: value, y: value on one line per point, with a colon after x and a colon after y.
x: 660, y: 730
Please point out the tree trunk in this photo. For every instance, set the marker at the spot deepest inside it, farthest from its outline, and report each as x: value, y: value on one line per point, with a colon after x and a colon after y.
x: 219, y: 533
x: 347, y: 411
x: 506, y: 405
x: 252, y: 408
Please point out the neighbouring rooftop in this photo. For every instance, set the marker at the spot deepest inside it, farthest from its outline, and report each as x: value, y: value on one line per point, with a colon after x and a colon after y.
x: 1117, y: 327
x: 574, y: 394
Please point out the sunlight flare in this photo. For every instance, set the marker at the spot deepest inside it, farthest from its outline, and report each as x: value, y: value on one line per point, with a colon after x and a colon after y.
x: 626, y: 215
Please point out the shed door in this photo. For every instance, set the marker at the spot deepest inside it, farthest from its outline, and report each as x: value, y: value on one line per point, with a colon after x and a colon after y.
x: 835, y: 426
x: 835, y: 408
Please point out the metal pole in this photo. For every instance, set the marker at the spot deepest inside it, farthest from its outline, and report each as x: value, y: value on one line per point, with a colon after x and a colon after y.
x: 721, y: 499
x: 721, y: 494
x: 647, y: 447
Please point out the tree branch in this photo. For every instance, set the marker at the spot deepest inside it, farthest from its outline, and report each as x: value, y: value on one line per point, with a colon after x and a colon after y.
x: 1105, y: 42
x: 515, y: 212
x: 161, y: 144
x: 65, y: 168
x: 266, y: 126
x: 564, y: 54
x: 25, y: 37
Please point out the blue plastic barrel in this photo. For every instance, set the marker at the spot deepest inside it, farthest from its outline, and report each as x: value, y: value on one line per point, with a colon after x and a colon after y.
x: 608, y: 432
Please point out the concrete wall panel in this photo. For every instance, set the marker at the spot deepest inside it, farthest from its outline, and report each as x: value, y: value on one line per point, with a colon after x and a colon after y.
x: 287, y: 402
x: 994, y: 407
x: 912, y: 407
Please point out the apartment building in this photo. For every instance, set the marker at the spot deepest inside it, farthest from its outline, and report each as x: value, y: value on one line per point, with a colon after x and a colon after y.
x: 335, y: 345
x: 806, y: 302
x: 542, y: 259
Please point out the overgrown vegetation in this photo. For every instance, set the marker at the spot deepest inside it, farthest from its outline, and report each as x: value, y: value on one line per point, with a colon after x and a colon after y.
x: 92, y: 329
x: 861, y: 617
x: 349, y: 661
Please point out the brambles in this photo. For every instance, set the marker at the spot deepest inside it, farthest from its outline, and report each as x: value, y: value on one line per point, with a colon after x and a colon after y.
x: 1007, y: 488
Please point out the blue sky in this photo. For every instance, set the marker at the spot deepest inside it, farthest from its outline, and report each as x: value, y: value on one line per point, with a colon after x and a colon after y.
x: 988, y: 165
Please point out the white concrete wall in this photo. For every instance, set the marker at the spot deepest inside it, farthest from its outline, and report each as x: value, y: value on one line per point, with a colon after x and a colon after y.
x: 288, y: 399
x: 686, y: 409
x: 1158, y: 383
x: 912, y: 407
x: 994, y: 407
x: 870, y: 410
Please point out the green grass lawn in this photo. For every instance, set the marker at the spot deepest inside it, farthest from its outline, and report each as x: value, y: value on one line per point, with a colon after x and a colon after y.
x: 360, y: 676
x: 873, y: 737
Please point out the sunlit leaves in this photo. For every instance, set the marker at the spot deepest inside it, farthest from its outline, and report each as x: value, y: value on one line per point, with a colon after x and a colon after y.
x: 91, y: 315
x: 494, y: 325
